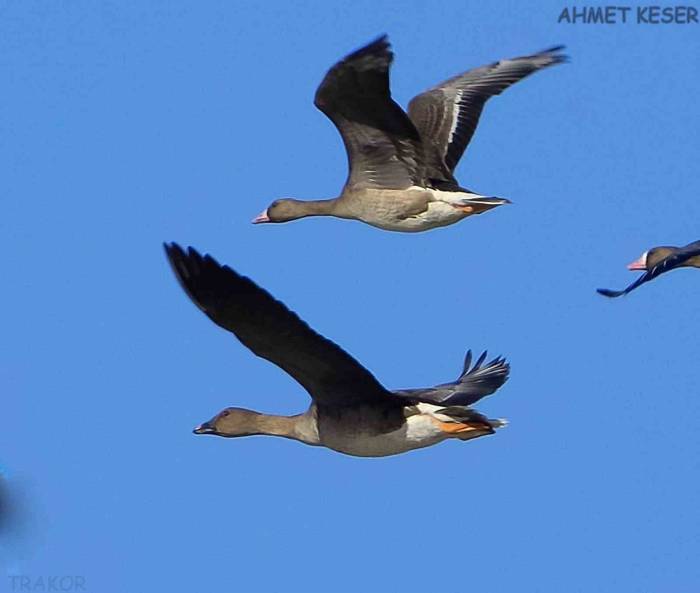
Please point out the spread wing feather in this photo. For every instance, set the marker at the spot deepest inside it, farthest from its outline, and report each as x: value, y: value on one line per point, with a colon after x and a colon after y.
x: 270, y: 330
x: 474, y: 383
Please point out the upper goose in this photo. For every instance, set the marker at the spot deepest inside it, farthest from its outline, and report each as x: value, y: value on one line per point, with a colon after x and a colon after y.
x: 656, y: 261
x: 401, y: 174
x: 351, y: 411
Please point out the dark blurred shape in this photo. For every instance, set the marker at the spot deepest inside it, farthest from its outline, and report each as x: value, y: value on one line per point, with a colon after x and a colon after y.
x: 7, y: 511
x: 19, y: 521
x: 12, y: 516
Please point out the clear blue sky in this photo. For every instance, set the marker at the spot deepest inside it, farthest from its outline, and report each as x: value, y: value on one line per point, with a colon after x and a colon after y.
x: 124, y: 124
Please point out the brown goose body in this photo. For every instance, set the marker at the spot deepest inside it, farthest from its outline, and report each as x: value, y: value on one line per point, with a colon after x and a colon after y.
x: 414, y: 209
x: 657, y: 261
x: 401, y: 165
x: 351, y: 412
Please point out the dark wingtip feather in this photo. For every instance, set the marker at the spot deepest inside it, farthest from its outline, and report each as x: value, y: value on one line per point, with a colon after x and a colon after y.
x: 380, y: 47
x: 382, y: 41
x: 554, y: 56
x: 479, y: 381
x: 175, y: 255
x: 612, y: 294
x: 188, y: 265
x: 467, y: 362
x: 364, y: 70
x: 554, y: 49
x: 170, y: 248
x: 473, y: 384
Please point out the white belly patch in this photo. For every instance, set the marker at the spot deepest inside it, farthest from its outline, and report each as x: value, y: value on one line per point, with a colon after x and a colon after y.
x: 442, y: 211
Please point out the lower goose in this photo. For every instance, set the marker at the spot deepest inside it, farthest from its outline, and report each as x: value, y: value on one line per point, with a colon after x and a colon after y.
x: 351, y: 412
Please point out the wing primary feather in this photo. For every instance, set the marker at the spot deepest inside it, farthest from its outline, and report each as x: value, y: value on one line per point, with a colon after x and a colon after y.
x: 447, y: 114
x: 480, y: 361
x: 472, y: 385
x: 383, y: 145
x: 270, y: 330
x: 612, y: 294
x: 467, y: 362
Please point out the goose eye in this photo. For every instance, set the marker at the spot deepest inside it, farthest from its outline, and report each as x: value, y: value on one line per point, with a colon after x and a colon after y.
x: 224, y: 413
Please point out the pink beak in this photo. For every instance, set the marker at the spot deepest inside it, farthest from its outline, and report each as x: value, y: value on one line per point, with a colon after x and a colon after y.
x: 262, y: 217
x: 639, y: 264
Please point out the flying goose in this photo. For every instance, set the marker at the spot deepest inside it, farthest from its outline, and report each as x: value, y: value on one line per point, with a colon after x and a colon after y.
x: 657, y: 261
x: 351, y: 412
x: 402, y: 165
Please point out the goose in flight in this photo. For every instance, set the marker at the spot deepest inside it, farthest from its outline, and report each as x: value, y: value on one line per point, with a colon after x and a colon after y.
x: 401, y: 166
x: 657, y: 261
x: 350, y: 411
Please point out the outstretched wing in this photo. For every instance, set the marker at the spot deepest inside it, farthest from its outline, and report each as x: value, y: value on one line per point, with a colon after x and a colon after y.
x: 667, y: 264
x: 473, y: 384
x: 383, y: 145
x: 448, y: 114
x: 271, y: 331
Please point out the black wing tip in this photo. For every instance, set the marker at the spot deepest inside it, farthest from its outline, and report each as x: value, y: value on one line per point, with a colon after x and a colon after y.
x: 611, y: 294
x: 478, y: 381
x: 175, y: 254
x: 380, y: 43
x: 188, y: 264
x: 171, y: 248
x: 474, y: 383
x: 179, y: 256
x: 480, y: 361
x: 496, y: 370
x: 205, y: 281
x: 379, y: 48
x: 552, y: 55
x: 373, y: 58
x: 554, y: 49
x: 175, y: 251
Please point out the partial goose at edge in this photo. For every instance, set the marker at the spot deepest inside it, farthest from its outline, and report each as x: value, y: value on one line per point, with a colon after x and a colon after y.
x: 657, y: 261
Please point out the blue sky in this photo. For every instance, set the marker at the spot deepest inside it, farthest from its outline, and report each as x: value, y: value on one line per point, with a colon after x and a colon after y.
x: 124, y: 124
